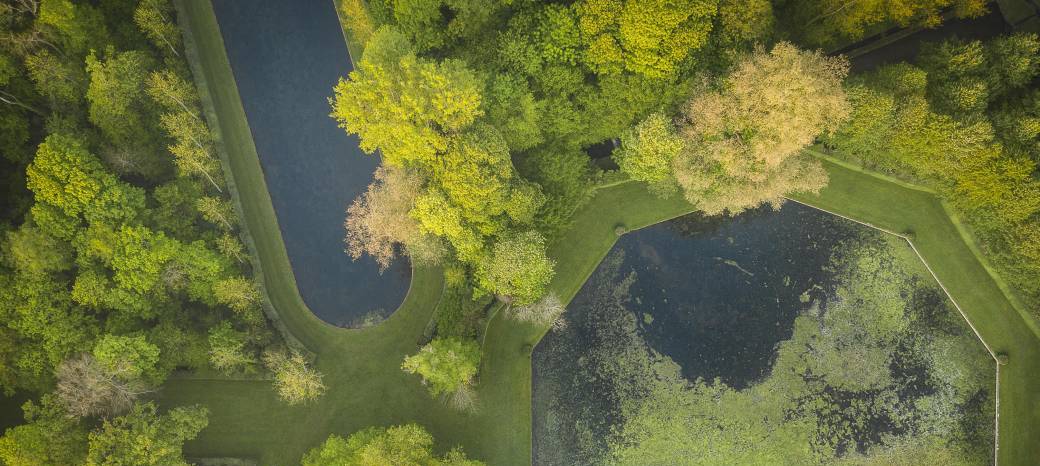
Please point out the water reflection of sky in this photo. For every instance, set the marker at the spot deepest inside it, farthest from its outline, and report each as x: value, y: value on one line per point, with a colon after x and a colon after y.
x: 717, y: 295
x: 286, y: 57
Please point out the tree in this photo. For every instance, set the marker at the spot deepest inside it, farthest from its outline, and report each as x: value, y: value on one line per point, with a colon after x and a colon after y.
x: 744, y: 139
x: 445, y: 364
x: 62, y: 82
x: 647, y: 152
x: 513, y: 110
x: 116, y: 96
x: 217, y: 211
x: 77, y: 25
x: 50, y: 326
x: 403, y: 105
x: 155, y: 19
x: 378, y: 221
x: 645, y: 37
x: 228, y: 352
x: 357, y: 20
x: 49, y: 437
x: 294, y: 380
x: 744, y: 22
x: 965, y: 77
x: 143, y: 436
x: 66, y: 177
x: 241, y: 295
x: 37, y: 252
x: 172, y: 92
x: 519, y: 269
x: 85, y: 388
x: 432, y: 24
x: 404, y: 445
x: 129, y: 358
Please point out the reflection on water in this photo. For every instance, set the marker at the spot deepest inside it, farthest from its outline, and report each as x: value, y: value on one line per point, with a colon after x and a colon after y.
x: 716, y: 295
x: 286, y: 56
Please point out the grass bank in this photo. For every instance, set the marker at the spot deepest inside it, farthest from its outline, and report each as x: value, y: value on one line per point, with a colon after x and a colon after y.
x: 361, y: 367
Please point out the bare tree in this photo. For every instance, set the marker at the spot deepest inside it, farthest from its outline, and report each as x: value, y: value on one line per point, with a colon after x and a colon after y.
x: 86, y: 389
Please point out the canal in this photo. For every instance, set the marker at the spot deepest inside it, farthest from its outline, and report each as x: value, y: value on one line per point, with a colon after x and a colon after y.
x: 286, y: 57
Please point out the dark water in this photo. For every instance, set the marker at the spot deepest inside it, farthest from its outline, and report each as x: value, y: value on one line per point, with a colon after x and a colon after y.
x: 906, y: 49
x: 715, y: 295
x: 286, y: 57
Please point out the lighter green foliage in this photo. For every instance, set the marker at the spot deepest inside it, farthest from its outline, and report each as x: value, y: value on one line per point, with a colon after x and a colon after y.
x: 294, y: 380
x: 143, y: 436
x: 648, y: 37
x: 648, y: 149
x: 156, y: 19
x: 173, y: 92
x: 519, y: 268
x: 745, y: 138
x: 217, y: 211
x: 743, y: 22
x: 49, y: 437
x: 514, y: 112
x: 70, y: 183
x: 240, y: 294
x: 79, y: 25
x: 55, y: 78
x: 432, y: 24
x: 128, y: 358
x: 828, y: 23
x: 403, y: 105
x: 227, y: 350
x: 404, y: 445
x: 33, y: 250
x: 116, y: 95
x: 445, y: 364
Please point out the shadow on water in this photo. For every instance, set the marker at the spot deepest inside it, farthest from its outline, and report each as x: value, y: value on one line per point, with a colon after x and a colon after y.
x: 286, y: 57
x: 717, y: 294
x: 714, y: 294
x: 906, y: 49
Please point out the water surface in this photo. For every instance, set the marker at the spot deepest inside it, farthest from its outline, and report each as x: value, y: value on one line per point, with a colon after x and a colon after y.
x: 286, y: 57
x: 716, y: 295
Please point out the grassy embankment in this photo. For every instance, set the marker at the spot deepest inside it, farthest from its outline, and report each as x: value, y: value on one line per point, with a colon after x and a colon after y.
x: 361, y: 370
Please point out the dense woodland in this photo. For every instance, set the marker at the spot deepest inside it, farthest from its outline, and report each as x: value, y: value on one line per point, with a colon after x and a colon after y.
x: 121, y: 259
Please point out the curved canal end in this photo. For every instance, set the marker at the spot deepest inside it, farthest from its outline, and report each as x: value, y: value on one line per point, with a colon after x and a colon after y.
x: 286, y: 57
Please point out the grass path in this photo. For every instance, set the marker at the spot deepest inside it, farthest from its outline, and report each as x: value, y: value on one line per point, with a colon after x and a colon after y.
x: 361, y: 367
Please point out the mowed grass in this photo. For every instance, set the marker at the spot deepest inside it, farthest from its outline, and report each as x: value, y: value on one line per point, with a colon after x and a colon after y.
x: 365, y: 384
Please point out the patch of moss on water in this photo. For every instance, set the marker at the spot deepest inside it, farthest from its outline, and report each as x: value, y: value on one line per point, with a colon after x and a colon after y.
x: 876, y: 367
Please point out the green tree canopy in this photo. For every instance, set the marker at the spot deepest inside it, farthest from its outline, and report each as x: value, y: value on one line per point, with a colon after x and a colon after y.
x: 49, y: 437
x: 745, y: 137
x: 405, y: 445
x: 648, y: 37
x: 116, y: 95
x: 647, y: 151
x: 71, y: 184
x: 143, y: 436
x: 445, y: 364
x: 403, y: 105
x: 518, y: 269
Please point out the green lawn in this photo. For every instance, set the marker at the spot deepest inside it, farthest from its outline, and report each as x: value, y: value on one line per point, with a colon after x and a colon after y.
x: 361, y: 367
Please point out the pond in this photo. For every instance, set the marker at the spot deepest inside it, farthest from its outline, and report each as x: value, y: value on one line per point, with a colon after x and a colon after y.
x: 286, y: 57
x: 716, y: 299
